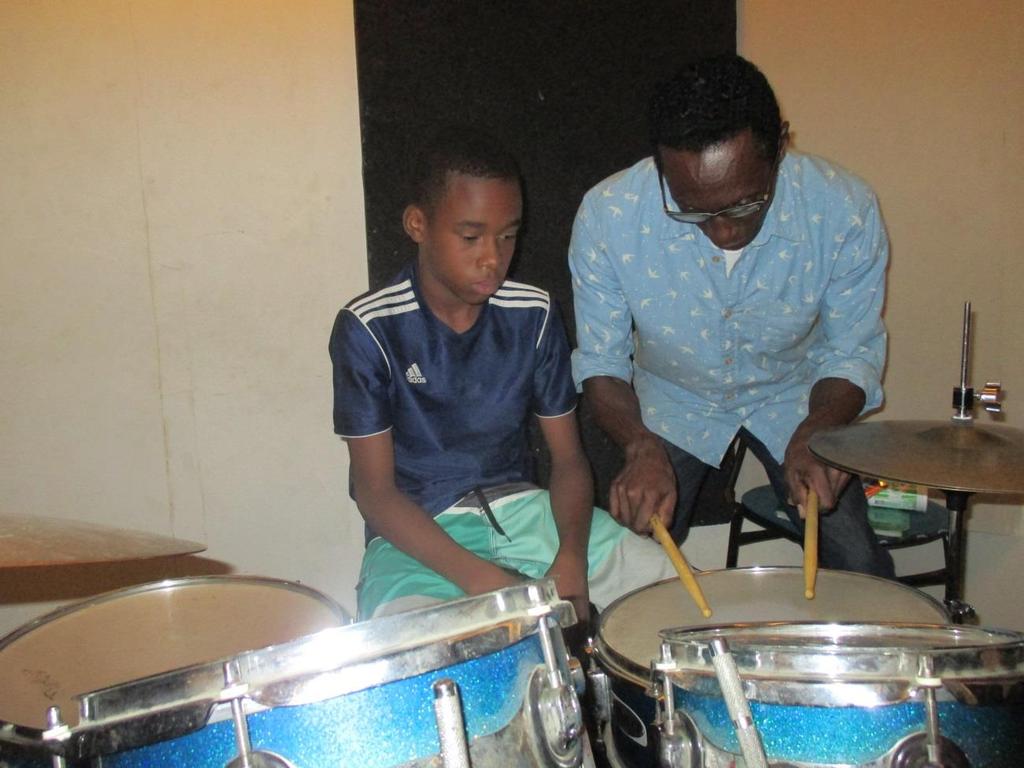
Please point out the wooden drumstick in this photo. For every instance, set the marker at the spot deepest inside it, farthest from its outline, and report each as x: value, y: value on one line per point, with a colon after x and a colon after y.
x: 810, y: 544
x: 682, y: 567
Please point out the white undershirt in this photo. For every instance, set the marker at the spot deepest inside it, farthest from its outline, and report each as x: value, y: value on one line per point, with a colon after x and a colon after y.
x: 731, y: 257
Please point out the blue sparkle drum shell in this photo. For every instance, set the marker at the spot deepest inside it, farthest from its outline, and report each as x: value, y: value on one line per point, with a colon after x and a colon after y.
x: 847, y: 694
x: 383, y: 725
x: 360, y: 695
x: 628, y: 639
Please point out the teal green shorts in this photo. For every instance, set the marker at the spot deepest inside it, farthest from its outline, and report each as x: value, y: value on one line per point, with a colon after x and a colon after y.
x: 530, y: 547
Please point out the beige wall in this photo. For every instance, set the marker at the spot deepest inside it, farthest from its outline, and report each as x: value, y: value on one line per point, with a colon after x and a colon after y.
x: 181, y: 218
x: 925, y: 100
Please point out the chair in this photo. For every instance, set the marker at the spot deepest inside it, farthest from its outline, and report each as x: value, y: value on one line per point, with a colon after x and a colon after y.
x: 761, y: 507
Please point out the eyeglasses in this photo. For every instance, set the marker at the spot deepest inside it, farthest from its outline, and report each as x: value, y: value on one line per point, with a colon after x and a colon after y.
x: 740, y: 211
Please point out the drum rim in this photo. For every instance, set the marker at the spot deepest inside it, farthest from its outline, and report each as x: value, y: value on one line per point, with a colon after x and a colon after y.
x: 630, y: 669
x: 155, y: 586
x: 778, y: 669
x: 276, y: 675
x: 810, y: 629
x: 1003, y: 645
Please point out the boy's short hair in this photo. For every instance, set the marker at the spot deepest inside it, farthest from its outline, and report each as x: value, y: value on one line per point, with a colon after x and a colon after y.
x: 457, y: 149
x: 711, y: 101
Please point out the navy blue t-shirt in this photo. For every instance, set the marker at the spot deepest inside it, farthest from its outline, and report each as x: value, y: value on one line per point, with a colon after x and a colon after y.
x: 458, y: 404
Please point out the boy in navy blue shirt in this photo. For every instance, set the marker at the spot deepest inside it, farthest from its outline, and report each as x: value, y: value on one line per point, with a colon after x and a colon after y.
x: 436, y: 377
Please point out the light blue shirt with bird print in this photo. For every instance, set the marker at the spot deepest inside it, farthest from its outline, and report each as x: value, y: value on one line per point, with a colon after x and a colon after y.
x: 709, y: 350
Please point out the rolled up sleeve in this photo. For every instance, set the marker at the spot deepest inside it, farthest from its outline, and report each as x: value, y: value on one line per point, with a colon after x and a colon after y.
x: 604, y: 341
x: 852, y: 345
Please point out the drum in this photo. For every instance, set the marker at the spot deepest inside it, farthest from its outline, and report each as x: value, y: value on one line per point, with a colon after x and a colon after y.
x: 837, y: 694
x: 141, y: 631
x: 628, y: 641
x: 483, y: 678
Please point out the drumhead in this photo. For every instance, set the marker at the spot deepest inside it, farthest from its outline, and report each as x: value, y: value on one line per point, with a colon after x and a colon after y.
x: 628, y: 635
x: 146, y: 630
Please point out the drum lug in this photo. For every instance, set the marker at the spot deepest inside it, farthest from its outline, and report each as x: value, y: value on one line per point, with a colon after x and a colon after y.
x: 661, y: 686
x: 601, y: 689
x: 56, y: 729
x: 929, y: 749
x: 577, y: 677
x: 912, y: 752
x: 556, y: 708
x: 260, y: 759
x: 679, y: 743
x: 661, y: 689
x: 678, y: 739
x: 234, y: 692
x: 559, y: 720
x: 451, y: 729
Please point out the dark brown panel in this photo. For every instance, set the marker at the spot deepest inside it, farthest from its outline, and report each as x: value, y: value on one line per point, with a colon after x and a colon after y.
x: 563, y: 84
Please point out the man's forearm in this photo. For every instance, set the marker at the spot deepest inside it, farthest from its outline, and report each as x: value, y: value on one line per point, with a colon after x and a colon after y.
x: 646, y: 486
x: 833, y: 403
x: 616, y: 410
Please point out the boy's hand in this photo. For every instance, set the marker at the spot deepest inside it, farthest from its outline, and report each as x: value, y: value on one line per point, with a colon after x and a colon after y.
x: 569, y: 572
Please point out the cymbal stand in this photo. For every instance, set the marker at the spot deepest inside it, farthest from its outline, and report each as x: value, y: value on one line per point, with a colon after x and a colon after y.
x: 959, y: 610
x: 964, y: 396
x: 964, y: 399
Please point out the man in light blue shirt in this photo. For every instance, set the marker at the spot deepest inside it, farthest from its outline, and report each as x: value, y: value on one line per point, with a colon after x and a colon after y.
x: 726, y: 285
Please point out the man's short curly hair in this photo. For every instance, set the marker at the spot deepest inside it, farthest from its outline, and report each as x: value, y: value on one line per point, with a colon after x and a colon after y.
x: 457, y: 149
x: 712, y: 100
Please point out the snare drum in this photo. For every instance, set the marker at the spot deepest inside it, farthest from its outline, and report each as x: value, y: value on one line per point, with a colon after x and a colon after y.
x: 628, y: 639
x: 484, y: 677
x: 140, y: 631
x: 853, y: 694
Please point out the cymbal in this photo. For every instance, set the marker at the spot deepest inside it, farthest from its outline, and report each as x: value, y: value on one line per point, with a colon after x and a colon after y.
x: 938, y: 454
x: 27, y: 540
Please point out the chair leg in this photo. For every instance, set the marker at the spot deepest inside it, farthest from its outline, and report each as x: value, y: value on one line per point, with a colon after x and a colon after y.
x: 732, y: 552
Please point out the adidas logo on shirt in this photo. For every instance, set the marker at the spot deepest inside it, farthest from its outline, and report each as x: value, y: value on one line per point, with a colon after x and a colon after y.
x: 415, y: 375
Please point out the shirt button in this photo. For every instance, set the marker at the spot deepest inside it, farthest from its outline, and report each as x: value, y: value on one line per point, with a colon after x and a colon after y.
x: 716, y: 259
x: 730, y: 396
x: 726, y: 313
x: 728, y: 361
